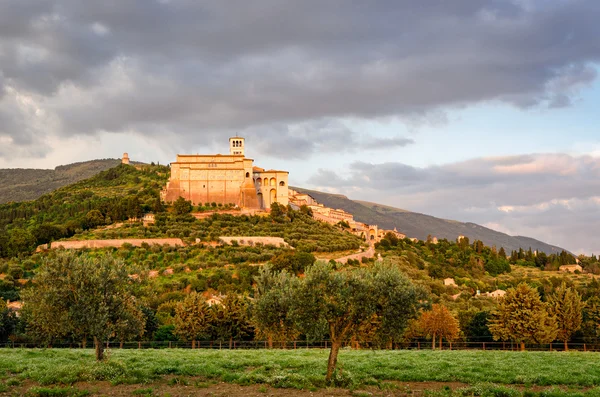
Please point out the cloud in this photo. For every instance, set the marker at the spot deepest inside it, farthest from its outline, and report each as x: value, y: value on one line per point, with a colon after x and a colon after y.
x: 203, y: 69
x: 553, y: 197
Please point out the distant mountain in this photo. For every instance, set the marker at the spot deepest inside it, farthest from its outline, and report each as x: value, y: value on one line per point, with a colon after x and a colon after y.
x: 420, y: 225
x: 20, y: 184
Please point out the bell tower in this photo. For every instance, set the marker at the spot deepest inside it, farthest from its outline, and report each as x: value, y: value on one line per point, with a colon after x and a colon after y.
x: 237, y: 146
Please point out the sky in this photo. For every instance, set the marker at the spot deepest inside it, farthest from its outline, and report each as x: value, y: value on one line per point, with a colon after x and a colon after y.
x: 482, y: 111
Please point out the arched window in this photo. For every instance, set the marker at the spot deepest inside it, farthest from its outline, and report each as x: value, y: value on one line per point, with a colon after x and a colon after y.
x: 273, y: 182
x: 282, y: 183
x: 247, y: 175
x: 259, y: 181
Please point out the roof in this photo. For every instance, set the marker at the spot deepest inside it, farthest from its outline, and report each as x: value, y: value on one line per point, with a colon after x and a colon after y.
x: 272, y: 171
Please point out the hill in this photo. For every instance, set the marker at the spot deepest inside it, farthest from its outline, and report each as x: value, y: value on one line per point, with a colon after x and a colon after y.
x: 17, y: 185
x: 418, y: 225
x: 28, y: 184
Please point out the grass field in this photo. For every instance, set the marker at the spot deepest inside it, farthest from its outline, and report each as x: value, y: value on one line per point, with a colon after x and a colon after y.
x: 305, y: 369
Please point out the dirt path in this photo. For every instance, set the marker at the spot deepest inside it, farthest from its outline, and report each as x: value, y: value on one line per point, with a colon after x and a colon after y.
x: 370, y: 253
x: 193, y: 387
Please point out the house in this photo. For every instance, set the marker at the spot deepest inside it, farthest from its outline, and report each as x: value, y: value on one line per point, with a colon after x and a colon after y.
x: 570, y: 268
x: 497, y: 294
x: 449, y: 281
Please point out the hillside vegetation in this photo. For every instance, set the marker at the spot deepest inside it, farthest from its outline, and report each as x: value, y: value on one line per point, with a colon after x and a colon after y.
x: 163, y: 278
x: 421, y: 226
x: 29, y: 184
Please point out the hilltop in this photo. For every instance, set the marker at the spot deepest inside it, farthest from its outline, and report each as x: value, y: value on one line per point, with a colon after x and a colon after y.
x: 18, y: 185
x: 418, y: 225
x: 24, y: 184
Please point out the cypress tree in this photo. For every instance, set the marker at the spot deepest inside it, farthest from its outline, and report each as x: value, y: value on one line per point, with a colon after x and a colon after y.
x: 566, y: 305
x: 523, y: 317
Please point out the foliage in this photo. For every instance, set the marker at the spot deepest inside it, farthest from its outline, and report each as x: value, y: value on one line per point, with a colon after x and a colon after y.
x: 192, y: 318
x: 293, y: 261
x: 84, y: 297
x: 182, y: 206
x: 272, y: 307
x: 566, y: 306
x: 439, y: 322
x: 449, y: 259
x: 113, y: 195
x: 523, y: 317
x: 231, y: 319
x: 339, y: 303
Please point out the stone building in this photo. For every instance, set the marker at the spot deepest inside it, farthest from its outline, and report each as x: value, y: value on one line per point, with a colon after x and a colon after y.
x: 226, y: 179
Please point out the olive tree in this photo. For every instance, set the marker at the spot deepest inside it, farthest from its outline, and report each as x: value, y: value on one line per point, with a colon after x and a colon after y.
x: 341, y: 304
x: 81, y: 296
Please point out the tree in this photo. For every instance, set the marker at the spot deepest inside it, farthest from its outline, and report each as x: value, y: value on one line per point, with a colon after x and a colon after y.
x: 83, y: 297
x: 94, y: 218
x: 293, y: 261
x: 474, y: 325
x: 231, y: 319
x: 192, y: 318
x: 591, y: 320
x: 272, y: 305
x: 502, y: 253
x: 276, y: 212
x: 20, y: 242
x: 182, y: 206
x: 8, y: 321
x: 523, y: 317
x: 439, y: 322
x: 341, y: 303
x: 566, y: 306
x: 46, y: 233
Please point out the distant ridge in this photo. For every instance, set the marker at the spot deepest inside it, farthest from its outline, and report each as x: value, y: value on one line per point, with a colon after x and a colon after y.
x: 420, y: 225
x: 23, y: 184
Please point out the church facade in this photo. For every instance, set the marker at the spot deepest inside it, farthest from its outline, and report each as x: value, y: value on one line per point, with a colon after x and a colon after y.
x: 226, y: 179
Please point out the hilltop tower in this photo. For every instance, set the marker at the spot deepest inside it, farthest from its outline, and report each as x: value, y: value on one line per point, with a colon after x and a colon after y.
x: 125, y: 159
x: 237, y: 146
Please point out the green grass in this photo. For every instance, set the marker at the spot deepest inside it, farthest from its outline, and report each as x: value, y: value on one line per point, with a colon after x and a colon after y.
x: 304, y: 369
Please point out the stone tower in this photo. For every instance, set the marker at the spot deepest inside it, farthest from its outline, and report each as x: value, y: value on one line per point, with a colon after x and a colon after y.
x: 125, y: 158
x: 237, y: 146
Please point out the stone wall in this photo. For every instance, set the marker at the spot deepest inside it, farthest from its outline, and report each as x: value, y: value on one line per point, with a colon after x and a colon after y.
x: 79, y: 244
x: 253, y: 240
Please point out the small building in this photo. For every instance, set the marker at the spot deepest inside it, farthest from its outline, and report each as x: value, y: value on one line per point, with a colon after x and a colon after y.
x: 570, y: 268
x: 149, y: 219
x: 449, y: 281
x: 125, y: 159
x: 214, y: 300
x: 497, y: 294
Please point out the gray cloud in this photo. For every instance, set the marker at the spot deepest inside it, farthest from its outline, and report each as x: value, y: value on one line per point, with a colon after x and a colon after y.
x: 553, y: 197
x: 202, y: 69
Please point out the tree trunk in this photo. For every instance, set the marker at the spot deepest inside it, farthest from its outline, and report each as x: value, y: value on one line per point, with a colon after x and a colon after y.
x: 566, y: 346
x: 84, y: 343
x: 99, y: 349
x: 433, y: 342
x: 193, y: 343
x: 120, y: 344
x: 332, y: 363
x: 270, y: 341
x: 441, y: 342
x: 522, y: 346
x: 230, y: 343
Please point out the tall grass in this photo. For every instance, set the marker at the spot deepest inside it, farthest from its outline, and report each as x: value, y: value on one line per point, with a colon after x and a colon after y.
x: 303, y: 369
